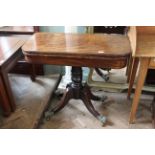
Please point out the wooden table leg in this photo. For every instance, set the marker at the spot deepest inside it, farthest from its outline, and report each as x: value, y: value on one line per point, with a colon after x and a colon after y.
x: 132, y: 75
x: 4, y: 99
x: 144, y: 64
x: 33, y: 72
x: 8, y: 90
x: 153, y: 112
x: 4, y: 72
x: 77, y: 90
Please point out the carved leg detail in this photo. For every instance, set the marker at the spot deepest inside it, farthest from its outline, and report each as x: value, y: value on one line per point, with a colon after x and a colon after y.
x: 85, y: 98
x: 94, y: 97
x: 63, y: 102
x: 77, y: 90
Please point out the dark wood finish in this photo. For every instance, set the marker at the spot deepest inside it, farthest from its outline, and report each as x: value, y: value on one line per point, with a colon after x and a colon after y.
x: 129, y: 68
x: 23, y: 32
x: 78, y: 50
x: 76, y: 90
x: 79, y: 61
x: 110, y: 29
x: 150, y: 78
x: 4, y: 101
x: 26, y: 68
x: 10, y: 53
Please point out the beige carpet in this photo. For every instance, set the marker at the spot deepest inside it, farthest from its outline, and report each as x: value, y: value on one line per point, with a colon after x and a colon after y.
x: 116, y: 108
x: 31, y: 100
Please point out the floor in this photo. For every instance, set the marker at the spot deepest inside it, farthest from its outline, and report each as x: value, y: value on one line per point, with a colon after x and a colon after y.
x: 74, y: 116
x: 31, y: 100
x: 116, y: 108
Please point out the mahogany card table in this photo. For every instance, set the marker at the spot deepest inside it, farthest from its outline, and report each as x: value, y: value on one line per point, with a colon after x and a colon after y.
x: 78, y: 50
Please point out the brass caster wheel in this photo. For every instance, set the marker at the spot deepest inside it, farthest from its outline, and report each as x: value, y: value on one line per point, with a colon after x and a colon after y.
x: 102, y: 119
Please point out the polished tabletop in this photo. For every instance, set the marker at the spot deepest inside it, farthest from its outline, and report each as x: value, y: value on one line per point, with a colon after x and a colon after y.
x: 8, y: 46
x: 44, y: 46
x: 77, y: 44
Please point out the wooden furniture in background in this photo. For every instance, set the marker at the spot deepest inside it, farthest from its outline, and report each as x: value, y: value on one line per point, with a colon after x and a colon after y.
x: 110, y: 29
x: 22, y: 67
x: 8, y: 30
x: 4, y: 100
x: 10, y: 53
x: 78, y: 50
x: 150, y: 78
x: 107, y: 30
x: 122, y: 30
x: 142, y: 40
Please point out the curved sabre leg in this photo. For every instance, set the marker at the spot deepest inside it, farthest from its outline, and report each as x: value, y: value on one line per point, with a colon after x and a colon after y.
x: 85, y: 98
x: 94, y: 97
x: 64, y: 100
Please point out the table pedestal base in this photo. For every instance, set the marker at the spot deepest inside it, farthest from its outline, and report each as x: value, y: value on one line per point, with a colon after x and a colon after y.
x: 77, y: 90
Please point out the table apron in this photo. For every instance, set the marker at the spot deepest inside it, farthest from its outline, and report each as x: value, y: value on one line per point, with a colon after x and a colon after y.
x: 113, y: 62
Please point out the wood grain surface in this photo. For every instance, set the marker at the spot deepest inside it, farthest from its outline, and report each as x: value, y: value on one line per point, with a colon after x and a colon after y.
x: 8, y: 46
x: 78, y: 49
